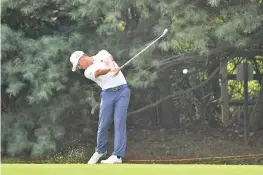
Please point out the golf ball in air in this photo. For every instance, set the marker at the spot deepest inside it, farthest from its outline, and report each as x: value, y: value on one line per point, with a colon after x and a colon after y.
x: 185, y: 71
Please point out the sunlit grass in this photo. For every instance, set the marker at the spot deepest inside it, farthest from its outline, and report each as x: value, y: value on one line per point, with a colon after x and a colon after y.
x: 129, y: 169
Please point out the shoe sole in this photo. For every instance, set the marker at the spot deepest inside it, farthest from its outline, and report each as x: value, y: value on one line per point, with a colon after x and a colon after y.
x: 112, y: 163
x: 98, y: 159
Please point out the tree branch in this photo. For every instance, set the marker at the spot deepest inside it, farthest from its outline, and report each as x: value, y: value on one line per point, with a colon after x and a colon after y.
x: 182, y: 59
x: 249, y: 53
x: 179, y: 92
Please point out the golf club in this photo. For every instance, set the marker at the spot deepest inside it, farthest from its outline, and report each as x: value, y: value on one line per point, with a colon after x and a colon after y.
x: 164, y: 32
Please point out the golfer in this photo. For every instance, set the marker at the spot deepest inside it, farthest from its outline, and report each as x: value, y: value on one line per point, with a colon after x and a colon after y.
x: 115, y: 98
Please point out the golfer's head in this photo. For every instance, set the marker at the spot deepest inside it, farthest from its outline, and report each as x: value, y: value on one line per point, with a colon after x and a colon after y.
x: 80, y: 60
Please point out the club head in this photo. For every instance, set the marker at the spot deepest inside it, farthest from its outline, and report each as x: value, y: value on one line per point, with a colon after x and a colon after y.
x: 164, y: 32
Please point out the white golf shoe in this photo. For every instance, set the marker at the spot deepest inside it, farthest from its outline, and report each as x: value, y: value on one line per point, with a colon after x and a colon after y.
x: 112, y: 160
x: 95, y: 157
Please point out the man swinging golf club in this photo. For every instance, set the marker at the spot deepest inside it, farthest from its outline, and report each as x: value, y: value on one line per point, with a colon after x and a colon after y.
x: 115, y: 97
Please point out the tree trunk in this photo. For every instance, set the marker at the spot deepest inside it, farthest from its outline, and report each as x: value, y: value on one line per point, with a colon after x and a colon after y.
x: 167, y: 111
x: 256, y: 121
x: 225, y: 98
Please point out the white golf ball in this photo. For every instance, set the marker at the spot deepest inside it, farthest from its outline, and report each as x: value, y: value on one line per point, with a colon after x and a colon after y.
x: 185, y: 71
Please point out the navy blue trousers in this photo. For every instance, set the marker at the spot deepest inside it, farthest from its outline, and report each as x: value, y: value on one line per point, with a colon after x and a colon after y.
x: 114, y: 106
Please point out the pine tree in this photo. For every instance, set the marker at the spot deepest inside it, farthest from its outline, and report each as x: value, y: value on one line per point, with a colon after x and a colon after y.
x: 39, y: 91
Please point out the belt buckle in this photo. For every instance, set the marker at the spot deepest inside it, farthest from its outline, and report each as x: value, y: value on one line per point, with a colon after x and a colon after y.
x: 114, y: 89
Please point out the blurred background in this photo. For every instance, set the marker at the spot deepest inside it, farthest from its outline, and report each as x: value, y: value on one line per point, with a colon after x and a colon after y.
x: 49, y: 113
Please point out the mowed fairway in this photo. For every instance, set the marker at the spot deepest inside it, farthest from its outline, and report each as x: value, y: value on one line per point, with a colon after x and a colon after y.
x: 129, y: 169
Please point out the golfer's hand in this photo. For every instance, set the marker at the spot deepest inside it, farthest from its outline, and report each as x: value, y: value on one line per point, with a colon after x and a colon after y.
x: 115, y: 70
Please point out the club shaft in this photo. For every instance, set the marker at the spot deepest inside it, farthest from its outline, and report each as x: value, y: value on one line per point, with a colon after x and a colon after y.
x: 141, y: 51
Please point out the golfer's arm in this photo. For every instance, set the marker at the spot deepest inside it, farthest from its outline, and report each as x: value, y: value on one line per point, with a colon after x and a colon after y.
x: 100, y: 72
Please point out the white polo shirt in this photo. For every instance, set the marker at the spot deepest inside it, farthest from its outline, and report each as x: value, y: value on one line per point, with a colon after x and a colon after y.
x: 104, y: 81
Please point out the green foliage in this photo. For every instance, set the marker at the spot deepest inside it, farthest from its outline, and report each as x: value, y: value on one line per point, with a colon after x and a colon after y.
x: 213, y: 3
x: 236, y: 88
x: 40, y: 93
x: 202, y: 75
x: 239, y: 22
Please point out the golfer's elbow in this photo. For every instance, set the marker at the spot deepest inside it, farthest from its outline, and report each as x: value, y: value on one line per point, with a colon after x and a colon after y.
x: 97, y: 73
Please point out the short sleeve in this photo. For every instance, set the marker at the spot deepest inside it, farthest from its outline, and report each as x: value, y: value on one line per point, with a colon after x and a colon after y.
x: 103, y: 55
x: 90, y: 74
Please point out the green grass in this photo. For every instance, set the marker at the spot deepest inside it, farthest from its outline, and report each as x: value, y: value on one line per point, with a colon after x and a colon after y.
x: 129, y: 169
